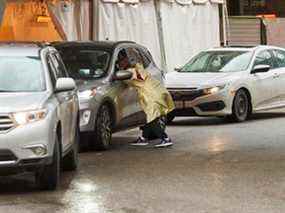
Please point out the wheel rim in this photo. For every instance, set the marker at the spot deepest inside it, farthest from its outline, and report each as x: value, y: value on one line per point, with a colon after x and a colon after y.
x: 242, y: 106
x: 106, y: 131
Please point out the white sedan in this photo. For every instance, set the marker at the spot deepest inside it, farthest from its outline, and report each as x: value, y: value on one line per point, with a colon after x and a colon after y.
x: 229, y: 82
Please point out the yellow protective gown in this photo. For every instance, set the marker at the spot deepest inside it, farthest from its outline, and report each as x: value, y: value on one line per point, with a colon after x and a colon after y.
x: 154, y: 99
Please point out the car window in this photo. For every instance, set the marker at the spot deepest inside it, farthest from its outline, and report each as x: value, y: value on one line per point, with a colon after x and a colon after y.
x: 264, y: 58
x: 134, y: 56
x: 197, y: 64
x: 145, y: 58
x: 128, y: 56
x: 52, y: 71
x: 86, y: 64
x: 219, y: 61
x: 59, y: 67
x: 21, y: 74
x: 280, y: 58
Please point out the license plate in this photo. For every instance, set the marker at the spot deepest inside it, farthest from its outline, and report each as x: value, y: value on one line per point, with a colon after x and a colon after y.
x: 183, y: 104
x: 179, y: 104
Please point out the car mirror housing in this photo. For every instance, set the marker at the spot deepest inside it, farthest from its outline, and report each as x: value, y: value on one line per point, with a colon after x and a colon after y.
x: 65, y: 84
x: 260, y: 68
x: 122, y: 75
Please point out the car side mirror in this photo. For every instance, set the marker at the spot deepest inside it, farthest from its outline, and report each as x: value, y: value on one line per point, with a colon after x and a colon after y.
x: 65, y: 84
x: 260, y: 68
x: 122, y: 75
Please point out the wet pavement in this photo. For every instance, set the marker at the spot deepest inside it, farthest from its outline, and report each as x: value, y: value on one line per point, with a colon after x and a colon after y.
x: 214, y: 167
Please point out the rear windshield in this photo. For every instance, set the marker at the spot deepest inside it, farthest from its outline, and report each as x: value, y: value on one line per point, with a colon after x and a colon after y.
x: 21, y: 74
x: 86, y: 64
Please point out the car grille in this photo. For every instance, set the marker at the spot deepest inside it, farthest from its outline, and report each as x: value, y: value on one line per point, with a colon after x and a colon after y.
x: 6, y: 123
x: 6, y: 155
x: 185, y: 95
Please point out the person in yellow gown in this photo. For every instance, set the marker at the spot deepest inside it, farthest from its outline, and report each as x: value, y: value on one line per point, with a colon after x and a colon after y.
x: 154, y: 99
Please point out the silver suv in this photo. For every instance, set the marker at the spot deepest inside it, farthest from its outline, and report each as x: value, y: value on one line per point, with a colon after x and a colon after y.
x: 38, y: 113
x: 107, y: 103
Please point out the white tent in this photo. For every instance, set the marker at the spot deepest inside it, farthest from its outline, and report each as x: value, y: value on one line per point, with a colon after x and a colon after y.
x: 188, y: 27
x: 173, y: 30
x: 73, y: 17
x: 135, y: 22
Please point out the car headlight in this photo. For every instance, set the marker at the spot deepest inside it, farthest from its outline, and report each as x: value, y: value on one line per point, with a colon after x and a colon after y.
x: 22, y: 118
x: 87, y: 94
x: 213, y: 90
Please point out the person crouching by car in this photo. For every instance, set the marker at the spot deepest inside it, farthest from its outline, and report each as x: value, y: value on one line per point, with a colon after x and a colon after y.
x: 154, y: 100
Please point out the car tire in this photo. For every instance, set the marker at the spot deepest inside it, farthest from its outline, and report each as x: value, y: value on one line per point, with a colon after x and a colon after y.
x: 103, y: 130
x: 241, y: 106
x: 70, y: 161
x: 48, y: 177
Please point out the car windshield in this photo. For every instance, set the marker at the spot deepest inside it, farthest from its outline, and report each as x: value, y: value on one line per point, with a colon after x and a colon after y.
x: 219, y: 61
x: 21, y: 74
x: 86, y: 64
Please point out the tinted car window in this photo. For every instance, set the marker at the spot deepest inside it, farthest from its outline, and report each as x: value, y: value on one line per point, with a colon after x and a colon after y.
x: 58, y: 65
x: 146, y: 60
x: 134, y: 56
x: 21, y: 74
x: 219, y: 61
x: 51, y: 71
x: 61, y: 66
x: 86, y: 64
x: 280, y: 58
x: 264, y: 58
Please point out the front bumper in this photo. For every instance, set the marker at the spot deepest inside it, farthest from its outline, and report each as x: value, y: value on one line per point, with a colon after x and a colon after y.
x: 88, y: 112
x: 218, y: 104
x: 16, y: 153
x: 24, y: 165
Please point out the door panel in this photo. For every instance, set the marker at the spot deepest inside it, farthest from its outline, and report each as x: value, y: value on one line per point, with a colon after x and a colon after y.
x: 127, y: 97
x: 265, y: 84
x: 66, y: 100
x: 280, y: 73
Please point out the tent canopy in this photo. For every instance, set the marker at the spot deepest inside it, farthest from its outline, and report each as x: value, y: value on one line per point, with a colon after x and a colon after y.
x: 173, y: 30
x: 49, y: 20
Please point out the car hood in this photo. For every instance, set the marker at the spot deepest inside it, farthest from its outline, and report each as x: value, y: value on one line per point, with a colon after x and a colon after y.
x: 199, y: 80
x: 18, y: 102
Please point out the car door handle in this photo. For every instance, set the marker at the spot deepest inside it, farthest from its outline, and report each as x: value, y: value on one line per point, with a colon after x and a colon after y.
x: 276, y: 75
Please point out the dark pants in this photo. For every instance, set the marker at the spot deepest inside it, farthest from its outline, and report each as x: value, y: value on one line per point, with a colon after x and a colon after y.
x: 155, y: 129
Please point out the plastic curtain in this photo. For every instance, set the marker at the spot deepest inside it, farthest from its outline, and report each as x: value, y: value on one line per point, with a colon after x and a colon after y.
x: 130, y: 22
x: 64, y: 12
x: 187, y: 30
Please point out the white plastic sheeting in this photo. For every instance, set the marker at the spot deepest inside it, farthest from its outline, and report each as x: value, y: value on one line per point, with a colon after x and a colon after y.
x: 64, y: 12
x: 130, y: 22
x: 83, y: 20
x: 187, y: 30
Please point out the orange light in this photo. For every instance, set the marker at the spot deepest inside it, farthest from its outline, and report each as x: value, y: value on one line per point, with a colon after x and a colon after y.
x: 267, y: 16
x: 43, y: 19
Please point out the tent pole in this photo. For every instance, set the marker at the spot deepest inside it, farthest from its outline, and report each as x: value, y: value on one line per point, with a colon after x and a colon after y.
x: 160, y: 35
x: 95, y: 20
x: 225, y: 24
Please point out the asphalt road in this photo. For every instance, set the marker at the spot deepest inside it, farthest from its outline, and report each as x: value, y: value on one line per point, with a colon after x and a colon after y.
x: 214, y: 167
